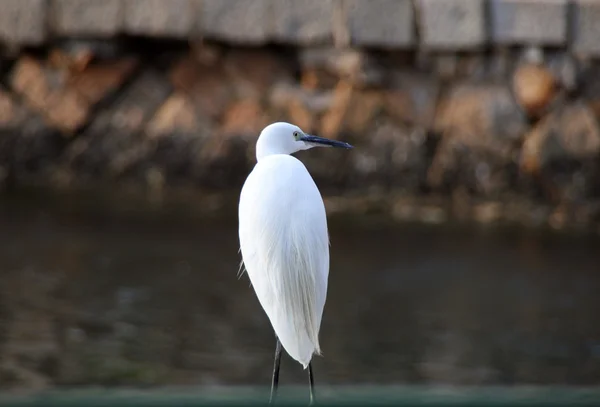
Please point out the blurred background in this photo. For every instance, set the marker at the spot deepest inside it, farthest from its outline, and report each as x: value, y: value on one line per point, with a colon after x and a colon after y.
x: 465, y: 224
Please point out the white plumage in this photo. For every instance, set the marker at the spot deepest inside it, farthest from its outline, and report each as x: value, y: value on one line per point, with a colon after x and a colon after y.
x: 284, y: 239
x: 283, y: 236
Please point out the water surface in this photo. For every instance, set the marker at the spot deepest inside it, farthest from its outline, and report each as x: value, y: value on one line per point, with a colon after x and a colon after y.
x: 99, y: 296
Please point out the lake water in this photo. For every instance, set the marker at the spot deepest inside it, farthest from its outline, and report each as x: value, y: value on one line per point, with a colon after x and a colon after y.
x: 93, y: 295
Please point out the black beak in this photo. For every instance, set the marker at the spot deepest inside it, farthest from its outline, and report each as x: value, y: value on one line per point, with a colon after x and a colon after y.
x: 321, y: 141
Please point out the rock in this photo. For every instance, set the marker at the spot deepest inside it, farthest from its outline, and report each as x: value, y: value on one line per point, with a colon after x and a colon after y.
x: 207, y: 86
x: 46, y: 91
x: 568, y: 134
x: 351, y: 65
x: 560, y: 155
x: 316, y: 102
x: 301, y: 116
x: 244, y: 119
x: 525, y: 21
x: 65, y: 98
x: 228, y: 154
x: 332, y: 121
x: 482, y: 117
x: 315, y: 78
x: 351, y: 111
x: 159, y: 18
x: 253, y: 72
x: 306, y: 22
x: 589, y: 89
x: 23, y: 22
x: 452, y: 24
x: 534, y: 87
x: 479, y: 128
x: 114, y: 141
x: 179, y: 133
x: 176, y: 116
x: 487, y: 212
x: 238, y: 21
x: 12, y: 114
x: 391, y: 156
x: 299, y: 105
x: 412, y: 99
x: 87, y: 17
x: 97, y: 81
x: 99, y: 49
x: 74, y: 62
x: 586, y: 31
x: 566, y: 71
x: 368, y: 25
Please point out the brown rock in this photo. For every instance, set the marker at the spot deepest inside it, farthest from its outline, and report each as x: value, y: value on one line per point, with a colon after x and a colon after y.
x: 479, y: 128
x: 352, y: 111
x: 313, y: 79
x: 316, y: 102
x: 11, y: 113
x: 115, y: 139
x: 254, y: 71
x: 534, y: 88
x: 232, y: 145
x: 363, y: 108
x: 412, y: 99
x: 333, y: 120
x: 176, y: 116
x: 207, y: 85
x: 245, y: 119
x: 570, y: 133
x: 74, y: 61
x: 97, y: 81
x: 482, y: 117
x: 45, y: 91
x: 299, y: 105
x: 301, y: 116
x: 351, y: 65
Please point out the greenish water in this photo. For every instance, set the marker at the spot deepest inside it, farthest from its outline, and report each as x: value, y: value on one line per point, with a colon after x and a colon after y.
x: 118, y: 294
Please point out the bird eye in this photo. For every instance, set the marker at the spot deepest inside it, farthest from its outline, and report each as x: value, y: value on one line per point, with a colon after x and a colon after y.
x: 296, y: 135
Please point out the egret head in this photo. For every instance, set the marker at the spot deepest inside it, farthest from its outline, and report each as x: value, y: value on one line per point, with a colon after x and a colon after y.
x: 285, y: 138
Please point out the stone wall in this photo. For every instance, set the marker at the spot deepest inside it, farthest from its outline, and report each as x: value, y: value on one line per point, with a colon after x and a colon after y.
x: 462, y: 102
x: 391, y: 24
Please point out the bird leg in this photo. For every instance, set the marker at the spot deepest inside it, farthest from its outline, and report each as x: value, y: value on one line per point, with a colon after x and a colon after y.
x: 275, y: 382
x: 312, y: 384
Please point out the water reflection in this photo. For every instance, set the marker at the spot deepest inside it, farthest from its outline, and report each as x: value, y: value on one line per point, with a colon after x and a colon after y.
x: 98, y: 298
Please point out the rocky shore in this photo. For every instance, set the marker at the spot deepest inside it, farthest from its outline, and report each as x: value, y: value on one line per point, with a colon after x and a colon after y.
x: 477, y: 130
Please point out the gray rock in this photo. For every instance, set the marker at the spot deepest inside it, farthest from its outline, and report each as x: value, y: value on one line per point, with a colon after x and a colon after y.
x: 586, y: 30
x: 452, y: 24
x: 304, y: 22
x: 86, y: 17
x: 173, y: 18
x: 381, y: 23
x: 529, y: 21
x: 238, y: 21
x: 23, y: 21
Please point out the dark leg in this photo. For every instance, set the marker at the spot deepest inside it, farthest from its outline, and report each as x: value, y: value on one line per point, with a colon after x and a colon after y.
x: 311, y: 382
x: 276, y: 364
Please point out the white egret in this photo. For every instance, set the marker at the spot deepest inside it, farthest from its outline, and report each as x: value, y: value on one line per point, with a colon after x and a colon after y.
x: 285, y: 243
